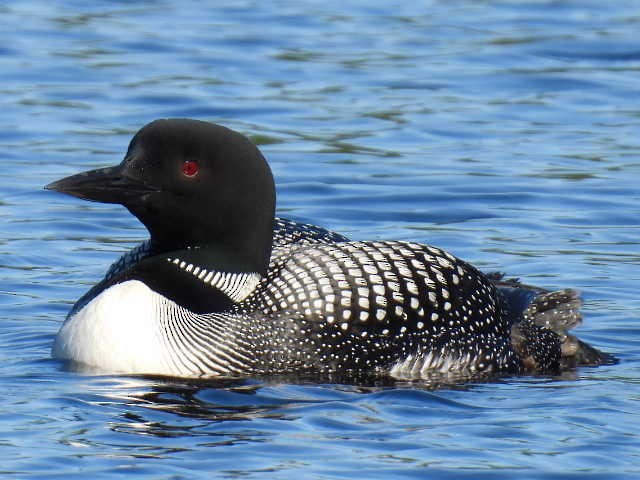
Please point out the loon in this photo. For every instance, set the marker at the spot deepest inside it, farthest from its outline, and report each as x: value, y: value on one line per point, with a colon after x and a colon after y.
x: 223, y: 287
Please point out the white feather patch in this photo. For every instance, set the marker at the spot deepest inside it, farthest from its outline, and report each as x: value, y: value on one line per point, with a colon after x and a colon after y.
x: 119, y: 332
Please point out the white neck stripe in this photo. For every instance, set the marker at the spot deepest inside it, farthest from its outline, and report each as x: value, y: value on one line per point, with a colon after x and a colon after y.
x: 237, y: 286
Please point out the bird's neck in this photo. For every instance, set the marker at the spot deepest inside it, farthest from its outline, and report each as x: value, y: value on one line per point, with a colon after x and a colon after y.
x: 245, y: 250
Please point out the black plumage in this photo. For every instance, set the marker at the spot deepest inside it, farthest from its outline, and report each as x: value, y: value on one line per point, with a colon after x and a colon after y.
x: 233, y: 290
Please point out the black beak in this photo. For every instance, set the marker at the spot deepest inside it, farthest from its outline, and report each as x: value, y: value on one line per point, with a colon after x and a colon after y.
x: 107, y: 185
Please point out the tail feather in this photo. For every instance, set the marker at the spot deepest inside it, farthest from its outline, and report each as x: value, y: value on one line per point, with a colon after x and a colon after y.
x: 577, y: 353
x: 557, y: 311
x: 541, y: 312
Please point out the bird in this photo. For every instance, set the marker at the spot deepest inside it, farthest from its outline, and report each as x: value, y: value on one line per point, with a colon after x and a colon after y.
x: 224, y: 287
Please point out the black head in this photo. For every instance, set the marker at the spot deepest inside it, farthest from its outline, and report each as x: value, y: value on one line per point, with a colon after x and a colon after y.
x: 193, y: 184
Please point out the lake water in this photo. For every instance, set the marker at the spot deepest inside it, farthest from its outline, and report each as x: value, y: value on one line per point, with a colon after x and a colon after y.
x: 506, y: 132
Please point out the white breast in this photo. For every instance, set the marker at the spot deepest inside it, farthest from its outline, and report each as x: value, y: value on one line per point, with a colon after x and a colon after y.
x: 119, y: 331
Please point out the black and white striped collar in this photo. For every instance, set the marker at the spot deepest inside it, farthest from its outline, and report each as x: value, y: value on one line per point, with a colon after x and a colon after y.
x: 236, y: 285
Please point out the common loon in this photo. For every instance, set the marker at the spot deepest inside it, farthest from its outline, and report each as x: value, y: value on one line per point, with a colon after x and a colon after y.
x: 223, y: 287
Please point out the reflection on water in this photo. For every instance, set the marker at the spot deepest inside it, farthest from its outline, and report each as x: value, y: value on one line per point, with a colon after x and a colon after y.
x: 245, y: 399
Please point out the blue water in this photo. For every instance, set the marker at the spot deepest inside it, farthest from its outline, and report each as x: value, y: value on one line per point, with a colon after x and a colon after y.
x: 506, y: 132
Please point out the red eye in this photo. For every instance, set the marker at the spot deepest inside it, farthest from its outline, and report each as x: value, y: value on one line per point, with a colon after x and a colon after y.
x: 190, y: 168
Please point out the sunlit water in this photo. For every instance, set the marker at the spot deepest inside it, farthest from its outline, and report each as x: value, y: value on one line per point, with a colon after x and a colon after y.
x: 507, y: 133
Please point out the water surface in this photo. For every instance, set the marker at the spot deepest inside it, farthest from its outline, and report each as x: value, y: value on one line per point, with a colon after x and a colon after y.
x: 505, y: 132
